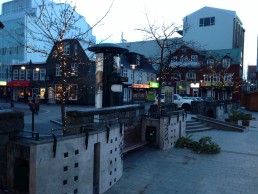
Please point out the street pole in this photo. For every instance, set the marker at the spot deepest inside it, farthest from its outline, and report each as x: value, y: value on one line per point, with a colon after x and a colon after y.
x: 133, y: 67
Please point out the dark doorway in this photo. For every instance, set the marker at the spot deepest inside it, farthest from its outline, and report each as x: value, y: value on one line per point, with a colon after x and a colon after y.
x: 210, y: 113
x: 96, y: 170
x: 150, y: 135
x: 21, y: 175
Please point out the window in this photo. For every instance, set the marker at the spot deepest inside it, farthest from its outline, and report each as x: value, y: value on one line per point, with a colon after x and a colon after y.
x: 174, y: 58
x: 27, y: 74
x: 210, y: 61
x: 194, y: 58
x: 177, y: 74
x: 75, y: 49
x: 42, y: 74
x: 228, y: 77
x: 67, y: 48
x: 216, y: 78
x: 190, y: 75
x: 74, y: 69
x: 15, y: 74
x: 22, y: 75
x: 183, y: 58
x: 72, y: 91
x: 35, y: 74
x: 58, y: 70
x: 210, y: 21
x: 125, y: 72
x: 150, y: 77
x: 138, y: 59
x: 226, y: 62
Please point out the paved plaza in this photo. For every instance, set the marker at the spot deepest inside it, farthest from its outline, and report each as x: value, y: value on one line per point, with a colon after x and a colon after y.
x: 179, y: 171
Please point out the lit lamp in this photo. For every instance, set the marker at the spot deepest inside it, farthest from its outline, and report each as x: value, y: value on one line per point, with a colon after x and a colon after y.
x: 133, y: 68
x: 31, y: 72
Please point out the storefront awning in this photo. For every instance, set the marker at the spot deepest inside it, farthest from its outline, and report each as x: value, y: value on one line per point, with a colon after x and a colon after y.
x: 19, y: 83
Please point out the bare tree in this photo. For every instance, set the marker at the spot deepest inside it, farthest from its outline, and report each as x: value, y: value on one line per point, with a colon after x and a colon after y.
x: 166, y: 40
x: 51, y: 25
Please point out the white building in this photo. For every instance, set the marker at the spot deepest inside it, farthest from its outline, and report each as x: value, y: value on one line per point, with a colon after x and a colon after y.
x: 214, y: 29
x: 18, y: 18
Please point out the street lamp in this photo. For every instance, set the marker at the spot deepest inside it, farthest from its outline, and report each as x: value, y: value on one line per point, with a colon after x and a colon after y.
x: 31, y: 74
x: 133, y: 68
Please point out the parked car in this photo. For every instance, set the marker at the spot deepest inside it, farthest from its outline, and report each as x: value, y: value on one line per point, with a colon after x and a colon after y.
x: 182, y: 102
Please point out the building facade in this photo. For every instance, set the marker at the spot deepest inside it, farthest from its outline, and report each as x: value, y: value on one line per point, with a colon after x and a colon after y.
x: 44, y: 79
x: 251, y: 82
x: 213, y: 74
x: 214, y: 29
x: 15, y: 39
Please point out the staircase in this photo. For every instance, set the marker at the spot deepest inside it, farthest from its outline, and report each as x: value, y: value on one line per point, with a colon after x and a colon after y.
x: 193, y: 126
x: 202, y: 123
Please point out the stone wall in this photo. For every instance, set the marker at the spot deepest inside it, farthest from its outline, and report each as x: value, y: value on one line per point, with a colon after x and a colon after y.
x: 130, y: 116
x: 89, y: 162
x: 164, y: 131
x: 9, y: 121
x: 213, y: 109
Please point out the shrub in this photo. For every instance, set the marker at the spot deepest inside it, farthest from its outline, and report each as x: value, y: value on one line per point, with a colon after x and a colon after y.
x: 204, y: 145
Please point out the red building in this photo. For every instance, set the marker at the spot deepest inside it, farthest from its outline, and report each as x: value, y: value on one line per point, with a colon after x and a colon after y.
x: 213, y: 74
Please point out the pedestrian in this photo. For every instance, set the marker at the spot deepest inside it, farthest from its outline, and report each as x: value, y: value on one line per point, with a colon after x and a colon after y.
x: 26, y: 97
x: 46, y: 97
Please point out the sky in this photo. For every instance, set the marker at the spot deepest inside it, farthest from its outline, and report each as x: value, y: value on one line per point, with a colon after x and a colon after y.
x: 126, y: 16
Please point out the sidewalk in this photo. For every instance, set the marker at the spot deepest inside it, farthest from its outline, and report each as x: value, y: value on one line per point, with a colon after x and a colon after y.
x: 181, y: 171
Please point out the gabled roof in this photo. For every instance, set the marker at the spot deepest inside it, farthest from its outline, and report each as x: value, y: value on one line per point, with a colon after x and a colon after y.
x: 147, y: 67
x: 234, y: 54
x: 207, y: 8
x: 148, y: 48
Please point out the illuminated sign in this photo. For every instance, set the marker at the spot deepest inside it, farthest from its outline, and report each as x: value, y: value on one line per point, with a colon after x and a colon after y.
x: 195, y: 85
x: 141, y: 86
x: 154, y: 84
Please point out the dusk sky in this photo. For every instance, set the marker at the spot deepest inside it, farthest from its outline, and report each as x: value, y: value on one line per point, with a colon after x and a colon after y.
x: 125, y: 16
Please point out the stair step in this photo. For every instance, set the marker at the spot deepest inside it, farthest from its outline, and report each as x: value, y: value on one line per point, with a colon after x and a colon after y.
x: 192, y: 130
x: 196, y: 126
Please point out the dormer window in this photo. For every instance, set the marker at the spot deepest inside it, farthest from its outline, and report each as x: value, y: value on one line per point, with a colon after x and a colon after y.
x: 183, y: 58
x: 194, y: 58
x: 210, y: 61
x: 226, y: 62
x: 66, y: 48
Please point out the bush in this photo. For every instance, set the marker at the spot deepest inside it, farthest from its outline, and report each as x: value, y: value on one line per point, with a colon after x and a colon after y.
x: 204, y: 145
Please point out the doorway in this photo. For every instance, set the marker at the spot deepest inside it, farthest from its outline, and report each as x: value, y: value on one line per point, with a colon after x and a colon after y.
x: 96, y: 168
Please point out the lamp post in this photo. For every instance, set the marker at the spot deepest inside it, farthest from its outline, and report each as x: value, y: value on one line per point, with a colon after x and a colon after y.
x: 133, y: 68
x: 11, y: 90
x: 33, y: 101
x: 212, y: 76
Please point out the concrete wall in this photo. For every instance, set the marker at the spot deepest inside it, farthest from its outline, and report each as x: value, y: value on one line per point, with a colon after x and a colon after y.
x: 168, y: 129
x: 9, y: 121
x: 72, y: 168
x: 130, y: 116
x: 211, y: 109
